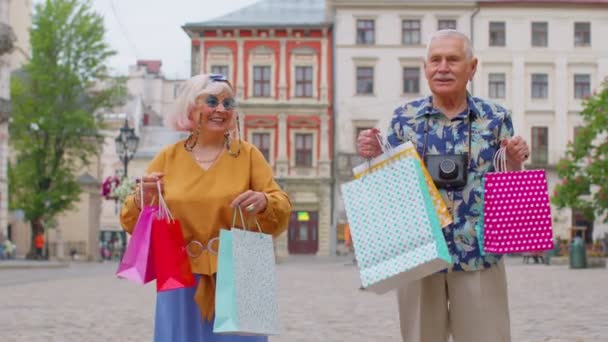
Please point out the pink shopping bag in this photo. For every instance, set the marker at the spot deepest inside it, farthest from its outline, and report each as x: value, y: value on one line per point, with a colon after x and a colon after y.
x: 517, y: 214
x: 137, y: 263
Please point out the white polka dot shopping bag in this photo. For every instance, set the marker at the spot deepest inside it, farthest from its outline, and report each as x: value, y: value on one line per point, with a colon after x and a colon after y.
x: 396, y: 231
x: 517, y: 213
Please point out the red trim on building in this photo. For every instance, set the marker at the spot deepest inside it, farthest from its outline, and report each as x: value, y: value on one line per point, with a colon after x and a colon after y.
x: 210, y: 33
x: 245, y: 33
x: 316, y: 34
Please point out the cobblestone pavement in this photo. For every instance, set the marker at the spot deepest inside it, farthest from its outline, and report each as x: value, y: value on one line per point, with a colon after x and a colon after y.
x: 319, y: 299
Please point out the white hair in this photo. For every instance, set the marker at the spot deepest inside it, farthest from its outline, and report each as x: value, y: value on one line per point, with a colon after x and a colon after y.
x: 449, y: 33
x: 179, y: 118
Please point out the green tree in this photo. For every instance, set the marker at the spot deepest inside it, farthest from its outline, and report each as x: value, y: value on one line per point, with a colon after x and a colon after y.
x: 57, y: 99
x: 584, y: 169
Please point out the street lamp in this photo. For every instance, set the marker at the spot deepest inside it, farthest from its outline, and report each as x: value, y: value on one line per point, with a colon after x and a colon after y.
x: 126, y: 145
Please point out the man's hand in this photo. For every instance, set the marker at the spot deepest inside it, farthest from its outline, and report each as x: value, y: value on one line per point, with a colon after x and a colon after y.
x: 367, y: 143
x: 517, y: 152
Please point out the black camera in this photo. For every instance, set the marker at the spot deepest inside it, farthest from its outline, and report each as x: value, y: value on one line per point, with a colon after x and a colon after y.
x: 448, y: 171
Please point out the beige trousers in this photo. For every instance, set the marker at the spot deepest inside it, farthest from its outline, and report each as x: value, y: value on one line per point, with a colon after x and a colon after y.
x: 469, y: 306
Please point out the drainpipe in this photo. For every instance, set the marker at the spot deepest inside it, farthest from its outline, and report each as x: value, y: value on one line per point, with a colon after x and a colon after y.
x: 333, y: 182
x: 473, y: 40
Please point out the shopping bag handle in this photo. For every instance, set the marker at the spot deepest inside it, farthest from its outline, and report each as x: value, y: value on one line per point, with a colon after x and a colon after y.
x: 240, y: 211
x: 500, y: 160
x: 163, y: 209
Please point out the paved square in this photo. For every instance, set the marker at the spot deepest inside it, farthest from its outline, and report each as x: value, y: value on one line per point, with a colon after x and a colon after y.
x: 319, y: 299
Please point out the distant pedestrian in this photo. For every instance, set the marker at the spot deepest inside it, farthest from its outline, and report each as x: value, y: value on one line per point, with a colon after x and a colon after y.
x: 9, y: 249
x: 39, y: 245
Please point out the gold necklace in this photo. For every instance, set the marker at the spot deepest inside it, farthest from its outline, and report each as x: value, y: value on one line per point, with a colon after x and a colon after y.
x: 201, y: 161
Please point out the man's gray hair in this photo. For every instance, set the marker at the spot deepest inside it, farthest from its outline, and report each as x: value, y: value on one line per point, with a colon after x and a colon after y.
x: 449, y: 33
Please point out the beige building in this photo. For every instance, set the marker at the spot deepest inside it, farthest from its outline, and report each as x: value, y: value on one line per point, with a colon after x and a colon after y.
x: 538, y: 58
x: 15, y: 22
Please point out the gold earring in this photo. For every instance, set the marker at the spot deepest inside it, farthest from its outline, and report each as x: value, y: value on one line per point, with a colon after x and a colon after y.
x: 229, y: 145
x: 193, y: 137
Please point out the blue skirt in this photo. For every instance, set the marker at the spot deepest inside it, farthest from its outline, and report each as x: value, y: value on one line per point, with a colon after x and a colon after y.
x: 178, y: 319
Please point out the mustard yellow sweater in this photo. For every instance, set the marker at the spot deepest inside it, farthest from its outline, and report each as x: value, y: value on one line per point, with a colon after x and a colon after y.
x: 201, y: 199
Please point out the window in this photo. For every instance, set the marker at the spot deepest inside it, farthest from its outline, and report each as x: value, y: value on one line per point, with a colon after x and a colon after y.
x: 540, y: 145
x: 220, y: 69
x: 261, y: 81
x: 411, y: 80
x: 582, y: 34
x: 497, y: 33
x: 365, y: 80
x: 303, y: 81
x: 496, y: 85
x: 540, y: 86
x: 304, y: 149
x: 411, y: 32
x: 358, y: 131
x: 582, y: 86
x: 365, y: 32
x: 446, y: 24
x: 540, y: 34
x: 262, y: 142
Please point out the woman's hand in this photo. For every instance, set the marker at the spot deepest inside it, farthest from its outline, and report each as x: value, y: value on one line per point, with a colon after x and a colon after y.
x: 148, y: 182
x: 253, y: 202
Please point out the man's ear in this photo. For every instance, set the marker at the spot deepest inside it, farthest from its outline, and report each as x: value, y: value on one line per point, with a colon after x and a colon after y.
x: 473, y: 68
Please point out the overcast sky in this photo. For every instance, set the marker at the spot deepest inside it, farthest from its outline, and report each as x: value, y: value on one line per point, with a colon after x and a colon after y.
x: 151, y: 29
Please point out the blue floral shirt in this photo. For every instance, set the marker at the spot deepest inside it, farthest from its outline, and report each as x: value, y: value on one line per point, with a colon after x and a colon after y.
x: 447, y: 136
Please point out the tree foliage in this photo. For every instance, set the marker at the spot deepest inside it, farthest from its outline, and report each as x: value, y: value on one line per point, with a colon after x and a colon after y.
x: 57, y: 98
x: 584, y: 169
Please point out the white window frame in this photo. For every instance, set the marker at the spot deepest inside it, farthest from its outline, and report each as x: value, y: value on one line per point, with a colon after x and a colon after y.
x: 364, y: 62
x: 271, y: 132
x: 262, y: 56
x: 311, y: 61
x: 315, y: 146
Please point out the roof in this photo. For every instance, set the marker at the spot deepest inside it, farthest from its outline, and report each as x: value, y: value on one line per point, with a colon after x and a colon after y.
x: 152, y: 66
x: 271, y: 13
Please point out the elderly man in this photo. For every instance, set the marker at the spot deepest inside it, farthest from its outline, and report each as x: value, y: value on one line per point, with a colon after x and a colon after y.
x: 457, y: 135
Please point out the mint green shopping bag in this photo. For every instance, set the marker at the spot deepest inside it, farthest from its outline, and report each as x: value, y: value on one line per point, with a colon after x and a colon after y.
x: 395, y: 228
x: 246, y: 300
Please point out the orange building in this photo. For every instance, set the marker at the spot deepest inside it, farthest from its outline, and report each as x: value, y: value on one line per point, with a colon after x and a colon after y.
x: 278, y: 54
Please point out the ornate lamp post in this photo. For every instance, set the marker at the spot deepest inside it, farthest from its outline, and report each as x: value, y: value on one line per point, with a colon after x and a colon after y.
x: 126, y: 145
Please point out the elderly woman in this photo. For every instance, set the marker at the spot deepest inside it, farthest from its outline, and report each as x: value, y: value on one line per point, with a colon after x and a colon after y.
x: 204, y: 179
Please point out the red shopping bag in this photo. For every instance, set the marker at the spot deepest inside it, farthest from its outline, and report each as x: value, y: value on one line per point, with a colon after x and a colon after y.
x: 517, y: 214
x: 169, y: 251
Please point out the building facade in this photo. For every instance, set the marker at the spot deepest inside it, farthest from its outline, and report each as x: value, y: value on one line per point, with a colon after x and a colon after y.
x: 538, y: 58
x: 15, y: 22
x: 151, y: 95
x: 278, y: 55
